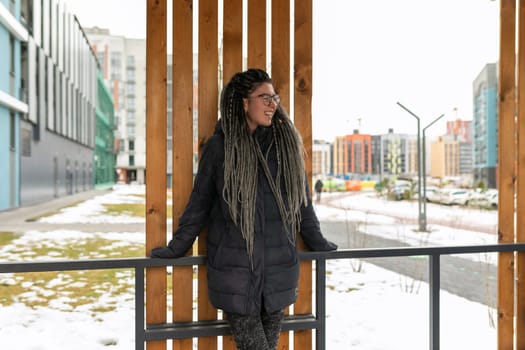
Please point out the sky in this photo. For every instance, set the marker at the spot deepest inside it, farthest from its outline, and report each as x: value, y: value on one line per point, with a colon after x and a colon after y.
x: 381, y: 309
x: 369, y: 55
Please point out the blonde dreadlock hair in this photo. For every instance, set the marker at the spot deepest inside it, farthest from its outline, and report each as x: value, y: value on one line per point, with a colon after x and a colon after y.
x: 243, y: 158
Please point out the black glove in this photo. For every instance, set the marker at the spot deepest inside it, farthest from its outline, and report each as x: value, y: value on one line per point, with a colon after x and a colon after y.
x: 332, y: 246
x: 163, y: 252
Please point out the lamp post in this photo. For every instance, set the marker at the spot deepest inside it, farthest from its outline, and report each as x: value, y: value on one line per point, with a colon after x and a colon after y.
x: 425, y: 166
x: 421, y: 217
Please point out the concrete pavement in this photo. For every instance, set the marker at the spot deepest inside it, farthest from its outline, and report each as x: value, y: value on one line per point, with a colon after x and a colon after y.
x: 22, y: 219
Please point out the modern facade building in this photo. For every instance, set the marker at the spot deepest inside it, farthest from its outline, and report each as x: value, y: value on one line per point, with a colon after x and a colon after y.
x: 353, y: 155
x: 452, y: 152
x: 123, y: 66
x: 105, y: 152
x: 321, y: 159
x: 13, y: 99
x: 50, y: 96
x: 395, y: 153
x: 485, y: 126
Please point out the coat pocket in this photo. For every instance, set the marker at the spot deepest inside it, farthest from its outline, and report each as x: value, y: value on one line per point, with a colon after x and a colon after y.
x: 234, y: 280
x: 282, y: 278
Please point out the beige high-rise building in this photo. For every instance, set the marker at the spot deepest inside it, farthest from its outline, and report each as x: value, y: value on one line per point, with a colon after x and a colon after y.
x: 321, y: 158
x: 445, y: 155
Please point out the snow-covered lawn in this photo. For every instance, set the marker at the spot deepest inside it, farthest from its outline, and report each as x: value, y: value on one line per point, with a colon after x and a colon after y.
x: 366, y: 310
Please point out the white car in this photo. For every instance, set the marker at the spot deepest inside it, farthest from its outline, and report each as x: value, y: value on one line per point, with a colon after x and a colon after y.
x: 452, y: 196
x: 486, y: 199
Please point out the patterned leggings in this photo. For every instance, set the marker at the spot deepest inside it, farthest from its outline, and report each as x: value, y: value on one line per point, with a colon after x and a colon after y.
x: 256, y: 332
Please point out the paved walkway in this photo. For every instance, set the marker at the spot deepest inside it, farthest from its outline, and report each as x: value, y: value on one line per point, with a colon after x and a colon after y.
x: 22, y: 219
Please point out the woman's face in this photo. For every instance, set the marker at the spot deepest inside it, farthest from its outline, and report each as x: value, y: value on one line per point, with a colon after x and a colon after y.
x: 260, y: 106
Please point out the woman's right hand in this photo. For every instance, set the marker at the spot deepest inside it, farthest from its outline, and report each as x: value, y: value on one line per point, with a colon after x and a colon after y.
x: 163, y: 252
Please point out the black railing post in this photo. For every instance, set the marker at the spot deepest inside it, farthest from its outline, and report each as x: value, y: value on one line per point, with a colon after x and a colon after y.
x: 434, y: 289
x: 320, y: 303
x: 139, y: 308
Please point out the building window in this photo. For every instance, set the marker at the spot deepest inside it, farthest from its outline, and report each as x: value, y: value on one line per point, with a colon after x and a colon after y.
x: 131, y: 160
x: 131, y: 145
x: 26, y: 142
x: 130, y: 74
x: 12, y: 132
x: 11, y: 54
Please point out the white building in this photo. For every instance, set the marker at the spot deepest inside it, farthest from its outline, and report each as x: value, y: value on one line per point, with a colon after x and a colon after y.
x: 123, y: 63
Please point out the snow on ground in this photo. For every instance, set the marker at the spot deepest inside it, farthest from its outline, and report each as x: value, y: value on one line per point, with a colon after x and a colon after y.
x: 378, y: 311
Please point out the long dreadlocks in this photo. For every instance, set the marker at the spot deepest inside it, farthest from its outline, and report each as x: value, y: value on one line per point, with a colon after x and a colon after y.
x: 243, y: 158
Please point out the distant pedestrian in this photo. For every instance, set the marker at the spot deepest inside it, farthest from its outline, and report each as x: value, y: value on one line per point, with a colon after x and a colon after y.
x: 318, y: 189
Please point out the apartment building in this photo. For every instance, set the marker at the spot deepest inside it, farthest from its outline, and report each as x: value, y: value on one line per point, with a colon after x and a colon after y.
x: 123, y: 66
x: 49, y: 98
x: 485, y: 126
x: 321, y: 159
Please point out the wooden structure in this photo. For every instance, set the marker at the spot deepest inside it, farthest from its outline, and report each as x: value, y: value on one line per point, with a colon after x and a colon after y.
x: 296, y: 95
x: 209, y: 74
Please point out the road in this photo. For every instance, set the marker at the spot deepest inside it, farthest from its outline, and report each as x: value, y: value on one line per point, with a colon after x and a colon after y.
x: 475, y: 281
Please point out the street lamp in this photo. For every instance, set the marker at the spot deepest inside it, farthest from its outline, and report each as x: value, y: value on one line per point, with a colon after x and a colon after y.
x: 421, y: 217
x: 425, y: 166
x: 421, y: 169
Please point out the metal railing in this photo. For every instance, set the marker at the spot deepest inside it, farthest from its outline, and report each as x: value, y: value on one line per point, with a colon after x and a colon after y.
x: 180, y: 330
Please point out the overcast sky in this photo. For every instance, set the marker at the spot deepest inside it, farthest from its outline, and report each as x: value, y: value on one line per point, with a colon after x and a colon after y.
x: 368, y: 55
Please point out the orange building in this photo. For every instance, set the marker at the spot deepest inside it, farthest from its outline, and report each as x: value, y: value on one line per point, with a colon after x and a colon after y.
x: 353, y: 154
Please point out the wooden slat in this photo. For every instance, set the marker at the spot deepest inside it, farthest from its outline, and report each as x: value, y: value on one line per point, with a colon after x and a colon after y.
x: 156, y: 159
x: 257, y: 34
x: 303, y: 122
x: 280, y: 69
x: 520, y: 188
x: 232, y: 63
x: 182, y: 155
x: 280, y: 72
x: 506, y: 172
x: 207, y: 108
x: 232, y: 39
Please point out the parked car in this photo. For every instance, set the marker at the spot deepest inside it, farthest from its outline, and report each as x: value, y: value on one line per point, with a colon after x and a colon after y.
x: 485, y: 199
x: 398, y: 192
x: 433, y: 195
x: 452, y: 196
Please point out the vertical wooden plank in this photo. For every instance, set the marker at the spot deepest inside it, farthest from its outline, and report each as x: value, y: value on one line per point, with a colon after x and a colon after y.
x: 207, y: 107
x: 257, y: 34
x: 520, y: 186
x: 280, y: 73
x: 232, y: 63
x: 506, y: 172
x: 182, y: 155
x: 232, y: 39
x: 303, y: 122
x: 280, y: 70
x: 156, y: 66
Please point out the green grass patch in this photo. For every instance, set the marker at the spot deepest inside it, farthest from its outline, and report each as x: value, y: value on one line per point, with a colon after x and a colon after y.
x: 8, y: 237
x: 72, y: 288
x: 131, y: 209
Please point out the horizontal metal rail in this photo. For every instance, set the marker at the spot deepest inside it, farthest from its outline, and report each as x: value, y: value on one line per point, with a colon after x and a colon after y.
x: 179, y: 330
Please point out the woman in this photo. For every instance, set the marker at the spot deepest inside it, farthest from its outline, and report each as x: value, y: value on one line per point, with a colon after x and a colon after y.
x: 251, y: 191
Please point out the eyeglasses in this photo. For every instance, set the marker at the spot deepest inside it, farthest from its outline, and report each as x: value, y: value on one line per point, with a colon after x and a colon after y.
x: 267, y: 99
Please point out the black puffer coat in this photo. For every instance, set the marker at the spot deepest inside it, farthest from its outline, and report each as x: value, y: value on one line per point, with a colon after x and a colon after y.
x: 233, y: 284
